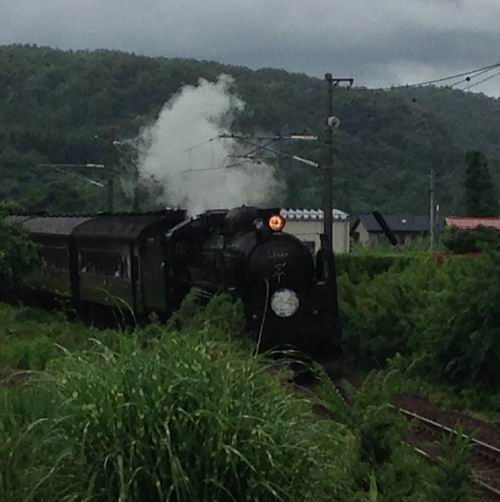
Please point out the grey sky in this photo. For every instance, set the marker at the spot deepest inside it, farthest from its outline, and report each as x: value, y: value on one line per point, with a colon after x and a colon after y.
x: 378, y: 42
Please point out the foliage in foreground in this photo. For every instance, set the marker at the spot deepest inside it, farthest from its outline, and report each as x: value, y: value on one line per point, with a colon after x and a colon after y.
x: 187, y: 413
x: 180, y: 416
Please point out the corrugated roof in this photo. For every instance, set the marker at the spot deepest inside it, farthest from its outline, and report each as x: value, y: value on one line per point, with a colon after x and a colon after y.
x: 397, y: 222
x: 469, y: 223
x: 311, y: 214
x: 128, y: 226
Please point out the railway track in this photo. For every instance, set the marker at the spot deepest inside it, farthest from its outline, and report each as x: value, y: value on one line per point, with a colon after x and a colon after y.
x: 484, y: 457
x: 431, y: 423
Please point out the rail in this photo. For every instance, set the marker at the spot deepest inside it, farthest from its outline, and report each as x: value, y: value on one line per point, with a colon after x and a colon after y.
x: 481, y: 451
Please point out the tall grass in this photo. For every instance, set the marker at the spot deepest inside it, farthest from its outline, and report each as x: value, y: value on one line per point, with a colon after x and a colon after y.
x: 183, y: 417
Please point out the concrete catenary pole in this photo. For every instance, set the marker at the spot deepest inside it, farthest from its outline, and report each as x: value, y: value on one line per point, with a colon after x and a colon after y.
x: 328, y: 167
x: 331, y: 123
x: 432, y: 223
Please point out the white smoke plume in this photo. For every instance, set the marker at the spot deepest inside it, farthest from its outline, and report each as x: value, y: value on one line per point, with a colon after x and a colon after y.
x: 183, y: 153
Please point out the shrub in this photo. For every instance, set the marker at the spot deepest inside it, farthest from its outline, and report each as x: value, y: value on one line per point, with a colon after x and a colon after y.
x: 380, y: 314
x: 471, y: 241
x: 462, y: 334
x: 441, y: 320
x: 18, y: 255
x: 365, y: 266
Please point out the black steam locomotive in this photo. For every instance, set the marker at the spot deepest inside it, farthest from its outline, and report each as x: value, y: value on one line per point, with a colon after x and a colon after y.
x: 148, y: 262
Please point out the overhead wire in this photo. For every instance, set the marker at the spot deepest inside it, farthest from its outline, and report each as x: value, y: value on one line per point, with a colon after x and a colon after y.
x: 469, y: 73
x: 470, y: 86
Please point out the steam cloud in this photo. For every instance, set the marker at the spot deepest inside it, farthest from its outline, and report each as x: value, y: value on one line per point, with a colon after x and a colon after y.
x: 182, y: 153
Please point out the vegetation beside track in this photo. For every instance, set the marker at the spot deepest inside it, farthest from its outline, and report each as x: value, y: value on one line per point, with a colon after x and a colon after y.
x: 434, y: 320
x: 188, y: 412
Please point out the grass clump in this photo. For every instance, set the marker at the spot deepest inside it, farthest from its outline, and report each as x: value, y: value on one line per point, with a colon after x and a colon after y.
x: 184, y: 416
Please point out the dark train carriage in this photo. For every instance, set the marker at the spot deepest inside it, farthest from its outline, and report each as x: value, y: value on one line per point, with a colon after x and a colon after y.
x: 120, y: 261
x: 56, y: 251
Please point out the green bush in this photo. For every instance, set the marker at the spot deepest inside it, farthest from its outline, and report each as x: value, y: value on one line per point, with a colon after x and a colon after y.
x: 471, y: 241
x: 18, y: 255
x: 441, y: 319
x: 462, y: 332
x: 365, y: 266
x: 381, y: 313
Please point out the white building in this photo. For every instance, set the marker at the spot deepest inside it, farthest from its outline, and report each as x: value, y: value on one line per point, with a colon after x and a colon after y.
x: 307, y: 225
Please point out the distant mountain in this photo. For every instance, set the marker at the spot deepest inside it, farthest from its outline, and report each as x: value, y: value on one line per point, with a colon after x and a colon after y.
x: 54, y: 103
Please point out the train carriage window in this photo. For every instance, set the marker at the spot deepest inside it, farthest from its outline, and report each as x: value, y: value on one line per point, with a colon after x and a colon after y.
x: 54, y: 258
x: 100, y: 262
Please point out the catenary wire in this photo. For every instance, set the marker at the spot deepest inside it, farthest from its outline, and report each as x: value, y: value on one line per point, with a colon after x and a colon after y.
x: 469, y: 74
x: 470, y: 86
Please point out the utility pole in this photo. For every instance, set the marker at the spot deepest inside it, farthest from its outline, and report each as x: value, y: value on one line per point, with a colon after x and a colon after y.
x: 431, y: 208
x: 129, y: 148
x: 331, y: 123
x: 110, y: 188
x: 136, y: 202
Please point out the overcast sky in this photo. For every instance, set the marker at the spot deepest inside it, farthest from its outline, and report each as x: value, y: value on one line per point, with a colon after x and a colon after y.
x: 378, y: 42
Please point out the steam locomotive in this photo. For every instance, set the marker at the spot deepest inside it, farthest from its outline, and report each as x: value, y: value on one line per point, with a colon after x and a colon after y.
x: 148, y: 262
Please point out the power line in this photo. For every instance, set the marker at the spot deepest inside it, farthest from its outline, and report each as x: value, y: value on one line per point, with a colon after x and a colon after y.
x: 468, y: 74
x: 198, y: 145
x: 466, y: 88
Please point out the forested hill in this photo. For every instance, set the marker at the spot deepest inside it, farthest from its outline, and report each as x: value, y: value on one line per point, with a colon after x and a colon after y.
x: 54, y: 103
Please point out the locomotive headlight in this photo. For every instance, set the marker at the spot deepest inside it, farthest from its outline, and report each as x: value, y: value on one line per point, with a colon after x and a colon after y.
x: 285, y: 302
x: 276, y: 222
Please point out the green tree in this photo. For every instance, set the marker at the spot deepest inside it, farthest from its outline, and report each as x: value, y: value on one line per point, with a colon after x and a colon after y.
x: 18, y: 255
x: 480, y: 197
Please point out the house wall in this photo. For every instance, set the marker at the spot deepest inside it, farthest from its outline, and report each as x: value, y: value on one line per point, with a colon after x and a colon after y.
x: 310, y: 230
x: 363, y: 236
x: 376, y: 238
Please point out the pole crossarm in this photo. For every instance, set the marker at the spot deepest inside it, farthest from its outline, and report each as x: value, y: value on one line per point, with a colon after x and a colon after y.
x: 277, y: 137
x: 338, y: 81
x: 245, y: 139
x: 75, y: 166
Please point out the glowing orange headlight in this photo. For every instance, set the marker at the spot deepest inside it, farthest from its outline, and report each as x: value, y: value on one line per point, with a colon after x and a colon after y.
x: 276, y: 222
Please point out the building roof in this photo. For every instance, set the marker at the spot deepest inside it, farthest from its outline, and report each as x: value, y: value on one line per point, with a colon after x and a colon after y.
x: 469, y: 223
x: 311, y: 214
x: 397, y: 223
